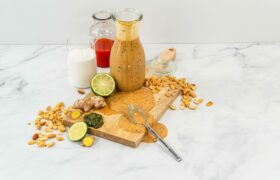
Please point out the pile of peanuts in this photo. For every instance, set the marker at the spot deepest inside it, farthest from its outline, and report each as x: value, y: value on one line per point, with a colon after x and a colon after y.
x: 46, y: 123
x: 189, y: 98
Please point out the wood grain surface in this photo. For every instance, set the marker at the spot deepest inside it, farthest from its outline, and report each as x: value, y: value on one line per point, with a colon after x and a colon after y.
x: 111, y: 131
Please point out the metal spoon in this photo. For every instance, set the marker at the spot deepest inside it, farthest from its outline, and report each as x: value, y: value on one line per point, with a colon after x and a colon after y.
x: 132, y: 109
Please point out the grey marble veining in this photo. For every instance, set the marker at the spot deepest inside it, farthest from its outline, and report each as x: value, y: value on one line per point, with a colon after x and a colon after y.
x: 237, y: 138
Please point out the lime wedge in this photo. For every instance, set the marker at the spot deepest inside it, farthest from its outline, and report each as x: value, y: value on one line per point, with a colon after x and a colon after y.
x: 77, y: 131
x: 103, y: 84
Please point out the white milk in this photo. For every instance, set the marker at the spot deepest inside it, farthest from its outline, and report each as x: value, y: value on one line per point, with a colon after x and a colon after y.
x: 81, y: 67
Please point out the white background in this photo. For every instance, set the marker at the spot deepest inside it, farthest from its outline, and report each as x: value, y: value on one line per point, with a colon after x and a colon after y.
x: 165, y: 21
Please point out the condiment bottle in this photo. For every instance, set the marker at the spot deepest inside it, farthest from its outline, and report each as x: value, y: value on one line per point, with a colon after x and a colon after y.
x: 127, y: 59
x: 102, y: 33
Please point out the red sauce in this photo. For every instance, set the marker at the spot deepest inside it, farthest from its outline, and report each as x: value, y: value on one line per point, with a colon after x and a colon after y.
x: 102, y: 51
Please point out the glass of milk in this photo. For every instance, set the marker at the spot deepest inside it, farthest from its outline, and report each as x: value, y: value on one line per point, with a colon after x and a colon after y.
x: 81, y: 67
x: 81, y: 62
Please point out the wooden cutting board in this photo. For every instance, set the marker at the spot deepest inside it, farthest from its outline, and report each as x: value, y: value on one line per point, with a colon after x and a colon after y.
x: 111, y: 131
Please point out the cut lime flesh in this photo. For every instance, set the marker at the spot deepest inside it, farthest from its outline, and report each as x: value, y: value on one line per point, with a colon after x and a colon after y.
x: 77, y: 131
x: 103, y: 84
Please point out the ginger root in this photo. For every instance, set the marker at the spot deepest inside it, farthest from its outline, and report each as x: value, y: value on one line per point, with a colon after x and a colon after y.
x: 89, y: 102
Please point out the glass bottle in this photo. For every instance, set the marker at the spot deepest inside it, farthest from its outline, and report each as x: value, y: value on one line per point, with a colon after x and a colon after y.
x: 127, y: 59
x: 102, y: 33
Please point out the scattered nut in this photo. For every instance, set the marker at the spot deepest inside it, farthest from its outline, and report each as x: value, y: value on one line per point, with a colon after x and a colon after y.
x: 38, y: 126
x: 65, y: 111
x: 52, y: 118
x: 35, y: 136
x: 193, y: 95
x: 174, y: 84
x: 42, y: 123
x: 198, y: 101
x: 57, y: 108
x: 48, y: 108
x: 210, y: 103
x: 31, y: 142
x: 51, y: 136
x: 47, y: 129
x: 51, y: 144
x: 192, y: 107
x: 182, y: 106
x: 41, y: 143
x: 40, y: 134
x: 43, y: 138
x: 37, y: 121
x: 40, y: 112
x: 172, y: 107
x: 60, y: 104
x: 59, y: 138
x: 81, y: 91
x: 61, y: 128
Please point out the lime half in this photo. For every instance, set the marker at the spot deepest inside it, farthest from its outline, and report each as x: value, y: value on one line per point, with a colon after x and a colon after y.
x: 103, y: 84
x: 77, y: 131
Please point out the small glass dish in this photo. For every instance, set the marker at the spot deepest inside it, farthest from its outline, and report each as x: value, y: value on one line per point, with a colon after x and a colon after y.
x: 161, y: 67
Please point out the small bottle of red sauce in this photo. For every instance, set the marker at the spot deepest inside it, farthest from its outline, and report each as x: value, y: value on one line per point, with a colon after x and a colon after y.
x: 102, y: 51
x: 102, y: 33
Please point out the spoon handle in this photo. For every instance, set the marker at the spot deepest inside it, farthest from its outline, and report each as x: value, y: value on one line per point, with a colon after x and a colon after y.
x: 166, y: 146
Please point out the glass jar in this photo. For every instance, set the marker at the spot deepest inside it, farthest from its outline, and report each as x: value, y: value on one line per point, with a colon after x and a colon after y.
x: 102, y: 33
x: 127, y: 59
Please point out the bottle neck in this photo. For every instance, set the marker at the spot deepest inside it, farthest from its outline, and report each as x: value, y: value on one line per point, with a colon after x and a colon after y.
x: 127, y: 31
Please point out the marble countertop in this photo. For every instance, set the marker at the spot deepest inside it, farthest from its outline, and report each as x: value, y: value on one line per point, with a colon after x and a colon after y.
x: 237, y: 138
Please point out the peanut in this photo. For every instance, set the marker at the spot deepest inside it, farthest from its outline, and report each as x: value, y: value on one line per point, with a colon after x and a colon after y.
x: 192, y: 107
x: 81, y: 91
x: 41, y: 143
x: 31, y: 142
x: 198, y: 101
x: 47, y: 129
x: 51, y: 144
x: 210, y: 103
x: 42, y: 123
x: 60, y: 104
x: 38, y: 126
x: 182, y: 106
x: 64, y: 111
x: 172, y: 107
x: 43, y: 138
x: 37, y: 121
x: 48, y: 108
x: 40, y: 112
x: 59, y: 138
x: 62, y: 128
x: 51, y: 136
